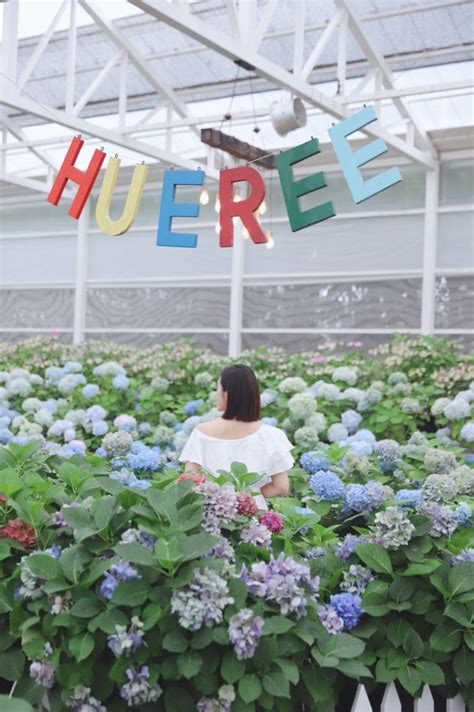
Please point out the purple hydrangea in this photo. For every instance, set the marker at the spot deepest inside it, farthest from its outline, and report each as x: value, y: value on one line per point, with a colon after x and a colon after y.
x: 257, y: 534
x: 138, y: 691
x: 330, y: 620
x: 466, y: 555
x: 202, y: 601
x: 121, y: 571
x: 347, y: 546
x: 244, y: 632
x: 220, y: 504
x: 125, y: 642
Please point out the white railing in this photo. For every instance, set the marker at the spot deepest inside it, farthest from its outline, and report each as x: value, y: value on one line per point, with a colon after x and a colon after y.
x: 391, y: 701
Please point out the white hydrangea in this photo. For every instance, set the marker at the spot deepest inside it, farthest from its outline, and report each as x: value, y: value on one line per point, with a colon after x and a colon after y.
x: 329, y: 392
x: 36, y: 380
x: 109, y: 368
x: 410, y: 406
x: 302, y: 405
x: 466, y: 395
x: 18, y: 422
x: 346, y: 374
x: 353, y: 394
x: 439, y: 405
x: 292, y: 384
x: 337, y: 432
x: 18, y: 387
x: 31, y: 405
x: 68, y: 383
x: 306, y: 438
x: 77, y: 417
x: 457, y: 409
x: 29, y: 429
x: 179, y: 441
x: 3, y: 395
x: 44, y: 418
x: 317, y: 422
x: 268, y: 397
x: 4, y: 376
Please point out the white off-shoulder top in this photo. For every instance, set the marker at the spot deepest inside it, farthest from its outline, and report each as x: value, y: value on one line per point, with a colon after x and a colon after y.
x: 267, y: 451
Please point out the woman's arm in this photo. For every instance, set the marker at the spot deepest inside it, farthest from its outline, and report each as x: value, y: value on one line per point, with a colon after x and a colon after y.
x: 192, y: 467
x: 278, y: 487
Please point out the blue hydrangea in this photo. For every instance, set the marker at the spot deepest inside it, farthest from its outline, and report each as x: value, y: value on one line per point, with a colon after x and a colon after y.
x: 389, y: 453
x: 121, y: 571
x: 101, y: 452
x: 337, y: 432
x: 366, y: 436
x: 313, y: 461
x: 463, y: 515
x: 121, y: 382
x: 142, y: 458
x: 5, y: 436
x: 351, y: 419
x: 410, y: 498
x: 467, y: 432
x: 90, y: 391
x: 466, y: 555
x: 270, y: 421
x: 348, y: 606
x: 361, y: 448
x: 365, y: 497
x: 347, y: 546
x: 129, y: 479
x: 327, y: 485
x: 144, y: 428
x: 96, y: 412
x: 193, y: 406
x: 99, y: 428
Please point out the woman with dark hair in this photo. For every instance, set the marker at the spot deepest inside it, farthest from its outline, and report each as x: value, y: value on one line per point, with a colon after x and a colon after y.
x: 238, y: 436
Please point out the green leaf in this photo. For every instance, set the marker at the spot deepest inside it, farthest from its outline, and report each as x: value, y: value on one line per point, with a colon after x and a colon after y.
x: 168, y: 552
x: 276, y: 684
x: 445, y: 638
x: 458, y: 613
x: 81, y: 646
x: 250, y: 688
x: 10, y: 482
x: 289, y: 669
x: 104, y: 511
x: 44, y: 566
x: 396, y: 631
x: 135, y: 553
x: 353, y: 668
x: 469, y: 639
x: 73, y: 561
x: 131, y: 593
x: 375, y: 557
x: 189, y: 663
x: 422, y: 569
x: 412, y: 644
x: 108, y: 620
x: 202, y: 638
x: 231, y: 668
x: 175, y: 641
x: 197, y: 545
x: 11, y: 665
x: 463, y: 666
x: 318, y: 683
x: 342, y: 646
x: 76, y: 517
x: 276, y: 625
x: 238, y: 590
x: 86, y: 607
x: 383, y: 673
x: 177, y: 699
x: 13, y: 704
x: 401, y: 589
x: 375, y: 604
x: 430, y: 672
x: 410, y: 679
x: 461, y: 578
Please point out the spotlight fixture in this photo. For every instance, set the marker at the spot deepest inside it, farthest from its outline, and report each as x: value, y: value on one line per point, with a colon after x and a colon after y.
x: 287, y: 115
x: 204, y: 197
x: 270, y: 242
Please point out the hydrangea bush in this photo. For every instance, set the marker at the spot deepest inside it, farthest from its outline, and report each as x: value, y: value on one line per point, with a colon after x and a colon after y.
x: 128, y: 585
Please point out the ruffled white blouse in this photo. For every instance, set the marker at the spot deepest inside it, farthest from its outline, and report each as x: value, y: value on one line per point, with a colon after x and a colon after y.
x: 267, y: 451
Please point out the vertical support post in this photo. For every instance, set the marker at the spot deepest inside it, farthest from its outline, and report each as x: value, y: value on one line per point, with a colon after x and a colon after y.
x: 71, y: 57
x: 247, y: 22
x: 429, y: 251
x: 81, y: 275
x: 169, y: 131
x: 8, y: 57
x: 122, y: 104
x: 236, y: 292
x: 342, y: 55
x: 298, y: 47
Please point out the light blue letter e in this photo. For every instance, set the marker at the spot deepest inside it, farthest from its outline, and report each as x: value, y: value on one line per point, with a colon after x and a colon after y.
x: 351, y: 161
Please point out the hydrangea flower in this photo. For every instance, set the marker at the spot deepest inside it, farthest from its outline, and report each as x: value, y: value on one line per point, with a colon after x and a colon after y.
x: 138, y: 691
x: 137, y: 536
x: 439, y: 405
x: 108, y: 368
x: 96, y: 412
x: 463, y: 515
x: 329, y: 391
x: 99, y: 428
x: 410, y: 406
x: 90, y: 391
x: 314, y: 461
x: 226, y: 695
x: 337, y: 432
x: 125, y: 422
x: 439, y: 488
x: 121, y: 571
x: 356, y: 579
x: 301, y: 405
x: 273, y: 522
x: 201, y: 602
x: 443, y: 521
x: 125, y: 642
x: 269, y: 421
x: 256, y: 534
x: 42, y: 672
x: 467, y: 432
x: 246, y: 504
x: 347, y: 374
x: 203, y: 380
x: 327, y: 485
x: 306, y: 437
x: 457, y: 409
x: 292, y: 384
x: 267, y: 397
x: 333, y: 623
x: 389, y: 453
x: 168, y: 418
x: 220, y: 504
x: 439, y: 461
x: 160, y: 384
x: 348, y: 606
x: 351, y: 420
x: 116, y: 444
x: 129, y: 479
x: 365, y: 497
x: 317, y: 421
x: 82, y: 701
x: 193, y: 406
x: 121, y: 382
x: 393, y: 527
x: 409, y: 498
x: 466, y: 555
x: 245, y: 630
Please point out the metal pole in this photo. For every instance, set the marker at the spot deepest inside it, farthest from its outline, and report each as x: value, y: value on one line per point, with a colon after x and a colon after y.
x: 81, y: 276
x: 71, y: 57
x: 429, y: 251
x: 236, y: 292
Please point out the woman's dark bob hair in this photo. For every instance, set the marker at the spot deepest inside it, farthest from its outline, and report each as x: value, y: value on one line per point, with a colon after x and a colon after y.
x: 243, y: 393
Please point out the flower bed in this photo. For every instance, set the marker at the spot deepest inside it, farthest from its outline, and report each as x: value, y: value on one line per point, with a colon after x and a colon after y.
x: 126, y: 585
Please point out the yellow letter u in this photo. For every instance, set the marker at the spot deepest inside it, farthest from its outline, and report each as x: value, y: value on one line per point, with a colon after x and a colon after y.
x: 126, y: 220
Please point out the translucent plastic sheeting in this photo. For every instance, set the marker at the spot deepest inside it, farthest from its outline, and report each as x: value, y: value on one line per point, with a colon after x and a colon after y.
x: 455, y: 241
x: 36, y: 308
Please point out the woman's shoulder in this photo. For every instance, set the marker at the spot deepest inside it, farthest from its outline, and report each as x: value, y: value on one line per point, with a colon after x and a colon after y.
x: 210, y: 427
x: 276, y: 437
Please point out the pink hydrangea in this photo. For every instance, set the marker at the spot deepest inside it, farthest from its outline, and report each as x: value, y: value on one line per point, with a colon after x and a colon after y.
x: 246, y: 505
x: 273, y: 522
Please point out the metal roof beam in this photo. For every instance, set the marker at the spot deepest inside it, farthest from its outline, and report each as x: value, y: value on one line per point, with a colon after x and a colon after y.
x: 215, y: 39
x: 377, y: 59
x: 140, y: 61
